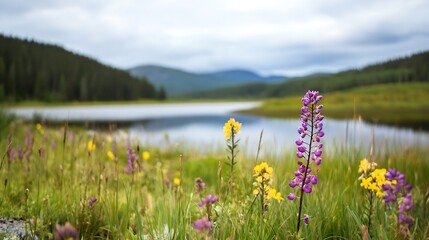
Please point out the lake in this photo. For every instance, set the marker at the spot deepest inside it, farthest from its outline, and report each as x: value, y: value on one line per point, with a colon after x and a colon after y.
x: 200, y: 125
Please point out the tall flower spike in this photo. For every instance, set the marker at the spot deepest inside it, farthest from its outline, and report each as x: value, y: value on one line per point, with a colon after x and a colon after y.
x: 230, y: 129
x: 309, y: 148
x: 263, y: 174
x: 398, y: 190
x: 132, y: 161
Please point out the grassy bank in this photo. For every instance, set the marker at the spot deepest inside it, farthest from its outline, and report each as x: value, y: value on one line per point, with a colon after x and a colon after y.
x: 49, y: 176
x: 394, y: 104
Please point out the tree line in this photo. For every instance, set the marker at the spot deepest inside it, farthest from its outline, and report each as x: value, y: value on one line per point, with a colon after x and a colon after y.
x: 36, y: 71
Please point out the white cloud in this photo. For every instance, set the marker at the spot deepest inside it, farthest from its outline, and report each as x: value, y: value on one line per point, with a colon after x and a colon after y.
x: 271, y: 36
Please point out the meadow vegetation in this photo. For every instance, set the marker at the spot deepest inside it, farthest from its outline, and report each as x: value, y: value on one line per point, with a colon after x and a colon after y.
x: 394, y: 104
x: 105, y: 185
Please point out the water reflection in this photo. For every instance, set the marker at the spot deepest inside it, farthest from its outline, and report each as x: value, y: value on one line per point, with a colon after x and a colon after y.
x: 199, y: 125
x: 278, y: 133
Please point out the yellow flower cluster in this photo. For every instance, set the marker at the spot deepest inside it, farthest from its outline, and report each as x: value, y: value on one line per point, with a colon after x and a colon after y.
x: 375, y: 180
x: 231, y: 127
x: 263, y: 178
x: 273, y: 194
x: 365, y: 166
x: 262, y: 171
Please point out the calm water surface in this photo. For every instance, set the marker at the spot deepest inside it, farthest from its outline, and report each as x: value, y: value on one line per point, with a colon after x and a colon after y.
x: 200, y: 125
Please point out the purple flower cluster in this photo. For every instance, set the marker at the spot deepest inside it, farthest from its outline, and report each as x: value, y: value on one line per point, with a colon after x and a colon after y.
x: 203, y: 224
x: 210, y: 199
x: 132, y: 161
x: 312, y: 127
x: 309, y: 147
x: 310, y: 179
x: 399, y: 191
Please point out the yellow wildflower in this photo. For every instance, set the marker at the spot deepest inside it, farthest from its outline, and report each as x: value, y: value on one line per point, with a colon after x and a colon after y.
x: 366, y: 165
x: 231, y: 127
x: 263, y: 178
x: 91, y: 146
x: 263, y: 170
x: 146, y: 155
x: 111, y: 155
x: 176, y: 181
x: 366, y: 182
x: 278, y: 197
x: 259, y: 168
x: 379, y: 173
x: 373, y: 187
x: 273, y: 194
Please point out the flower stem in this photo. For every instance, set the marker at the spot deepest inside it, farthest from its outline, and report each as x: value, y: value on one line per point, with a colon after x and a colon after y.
x: 371, y: 198
x: 306, y: 168
x: 232, y: 163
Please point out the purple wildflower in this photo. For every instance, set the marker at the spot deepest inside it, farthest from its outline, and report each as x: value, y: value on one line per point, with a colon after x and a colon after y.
x: 199, y: 185
x: 203, y: 224
x: 210, y: 199
x: 306, y: 218
x: 400, y: 193
x: 20, y: 152
x: 308, y: 147
x: 307, y: 188
x: 132, y: 161
x: 291, y: 196
x: 406, y: 219
x: 92, y: 201
x: 66, y: 232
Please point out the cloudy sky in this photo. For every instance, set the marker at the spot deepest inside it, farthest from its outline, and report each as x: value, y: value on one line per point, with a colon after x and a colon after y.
x: 269, y: 36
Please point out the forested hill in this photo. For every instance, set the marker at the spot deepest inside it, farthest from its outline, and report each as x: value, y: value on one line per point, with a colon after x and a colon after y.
x: 37, y: 71
x: 414, y: 68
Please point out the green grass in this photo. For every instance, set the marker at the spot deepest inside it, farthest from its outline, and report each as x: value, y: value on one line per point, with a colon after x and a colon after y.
x: 395, y: 104
x: 52, y: 186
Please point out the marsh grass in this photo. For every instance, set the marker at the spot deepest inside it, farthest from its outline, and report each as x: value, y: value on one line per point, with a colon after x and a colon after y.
x: 61, y: 180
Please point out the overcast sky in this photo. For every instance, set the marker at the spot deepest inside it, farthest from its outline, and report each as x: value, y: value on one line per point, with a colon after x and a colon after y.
x: 290, y: 37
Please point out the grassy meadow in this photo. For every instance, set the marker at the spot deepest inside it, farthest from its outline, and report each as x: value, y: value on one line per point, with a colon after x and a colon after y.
x: 394, y: 104
x: 50, y: 175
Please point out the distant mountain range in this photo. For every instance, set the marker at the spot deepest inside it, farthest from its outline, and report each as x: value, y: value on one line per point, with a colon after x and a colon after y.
x: 179, y: 82
x: 412, y: 68
x: 36, y: 71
